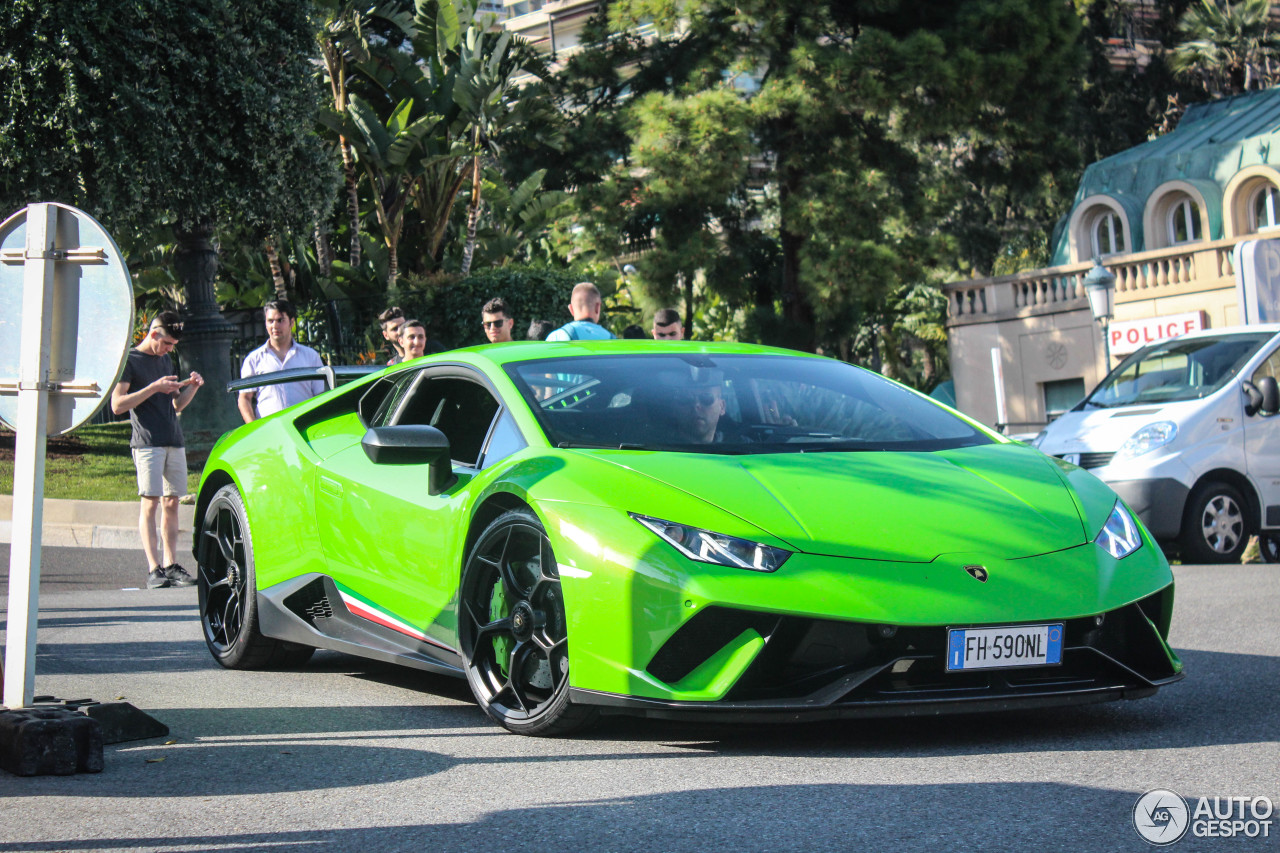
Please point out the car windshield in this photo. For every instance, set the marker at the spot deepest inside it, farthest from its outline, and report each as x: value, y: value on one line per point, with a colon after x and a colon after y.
x: 731, y: 404
x: 1175, y: 370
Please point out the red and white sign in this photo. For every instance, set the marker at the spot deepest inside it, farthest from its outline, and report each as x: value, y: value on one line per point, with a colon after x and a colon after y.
x: 1132, y: 335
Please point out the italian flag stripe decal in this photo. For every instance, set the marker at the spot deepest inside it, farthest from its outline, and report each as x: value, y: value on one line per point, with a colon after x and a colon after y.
x: 365, y: 610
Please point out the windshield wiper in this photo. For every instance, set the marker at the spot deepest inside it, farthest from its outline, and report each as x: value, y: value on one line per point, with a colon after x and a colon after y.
x: 576, y: 445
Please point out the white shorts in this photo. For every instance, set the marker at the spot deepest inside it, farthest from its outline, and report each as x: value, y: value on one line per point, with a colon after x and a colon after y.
x: 161, y: 470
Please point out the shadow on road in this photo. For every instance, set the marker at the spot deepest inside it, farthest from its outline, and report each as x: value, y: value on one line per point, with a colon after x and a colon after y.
x: 984, y: 816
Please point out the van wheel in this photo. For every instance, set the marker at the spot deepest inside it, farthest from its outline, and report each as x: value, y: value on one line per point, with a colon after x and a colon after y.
x: 1214, y: 529
x: 1269, y: 547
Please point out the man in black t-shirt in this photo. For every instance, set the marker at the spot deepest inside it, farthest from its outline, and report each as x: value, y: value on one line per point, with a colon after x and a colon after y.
x: 156, y: 442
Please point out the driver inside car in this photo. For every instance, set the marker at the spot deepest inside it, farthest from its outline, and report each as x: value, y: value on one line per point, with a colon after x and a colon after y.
x: 698, y: 410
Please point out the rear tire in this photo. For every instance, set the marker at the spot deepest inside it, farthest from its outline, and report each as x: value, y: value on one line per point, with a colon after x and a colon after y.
x: 228, y: 592
x: 1215, y: 528
x: 1269, y: 547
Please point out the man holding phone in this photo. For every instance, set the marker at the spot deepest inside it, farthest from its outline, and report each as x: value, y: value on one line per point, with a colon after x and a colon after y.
x: 158, y: 448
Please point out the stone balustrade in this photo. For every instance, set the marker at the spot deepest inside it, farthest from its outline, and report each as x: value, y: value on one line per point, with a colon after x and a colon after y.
x: 1188, y: 268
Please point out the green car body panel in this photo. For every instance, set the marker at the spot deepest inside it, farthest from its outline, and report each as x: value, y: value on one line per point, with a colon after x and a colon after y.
x: 881, y: 538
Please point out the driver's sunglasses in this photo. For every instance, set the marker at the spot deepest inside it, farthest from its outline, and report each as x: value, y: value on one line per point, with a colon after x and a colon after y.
x: 493, y: 324
x: 704, y: 399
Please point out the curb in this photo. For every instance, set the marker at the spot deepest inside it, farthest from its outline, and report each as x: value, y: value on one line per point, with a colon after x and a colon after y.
x: 92, y: 524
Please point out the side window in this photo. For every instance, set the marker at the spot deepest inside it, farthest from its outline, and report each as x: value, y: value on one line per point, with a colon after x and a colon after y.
x: 1264, y: 211
x: 1270, y: 367
x: 463, y: 410
x: 380, y: 402
x: 1107, y: 234
x: 1184, y: 222
x: 505, y: 441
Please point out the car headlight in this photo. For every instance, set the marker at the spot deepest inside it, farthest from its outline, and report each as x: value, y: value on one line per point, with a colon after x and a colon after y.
x: 716, y: 548
x: 1119, y: 536
x: 1035, y: 442
x: 1147, y: 439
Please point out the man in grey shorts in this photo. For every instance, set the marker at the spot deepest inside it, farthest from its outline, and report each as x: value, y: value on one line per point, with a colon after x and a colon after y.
x: 158, y: 450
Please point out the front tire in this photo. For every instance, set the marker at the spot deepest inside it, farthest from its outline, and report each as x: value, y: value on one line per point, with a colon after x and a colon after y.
x: 1215, y: 528
x: 512, y: 630
x: 228, y: 592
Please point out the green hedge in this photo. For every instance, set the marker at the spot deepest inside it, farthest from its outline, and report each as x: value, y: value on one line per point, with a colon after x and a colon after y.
x: 451, y: 309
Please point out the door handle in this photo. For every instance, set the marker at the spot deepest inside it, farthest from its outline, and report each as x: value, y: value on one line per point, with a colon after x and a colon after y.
x: 330, y: 487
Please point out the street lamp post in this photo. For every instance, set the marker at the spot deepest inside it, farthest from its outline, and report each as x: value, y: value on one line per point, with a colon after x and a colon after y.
x: 1100, y: 288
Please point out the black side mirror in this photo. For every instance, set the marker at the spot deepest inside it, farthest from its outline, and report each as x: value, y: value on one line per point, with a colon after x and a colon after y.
x: 1270, y: 395
x: 412, y: 444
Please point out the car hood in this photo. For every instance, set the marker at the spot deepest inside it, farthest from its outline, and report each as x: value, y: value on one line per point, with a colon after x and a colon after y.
x: 1002, y: 500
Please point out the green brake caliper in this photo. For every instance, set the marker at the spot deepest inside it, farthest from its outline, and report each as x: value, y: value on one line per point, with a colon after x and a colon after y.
x: 501, y: 644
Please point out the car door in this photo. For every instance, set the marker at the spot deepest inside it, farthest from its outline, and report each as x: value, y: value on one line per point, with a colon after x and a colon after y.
x: 1262, y: 449
x: 387, y: 540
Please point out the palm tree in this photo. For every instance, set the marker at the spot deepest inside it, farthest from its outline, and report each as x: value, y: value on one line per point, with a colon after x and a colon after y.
x: 485, y: 93
x: 1229, y: 46
x: 390, y: 154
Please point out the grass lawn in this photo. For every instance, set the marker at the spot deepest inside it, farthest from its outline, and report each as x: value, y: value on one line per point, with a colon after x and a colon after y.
x: 93, y: 463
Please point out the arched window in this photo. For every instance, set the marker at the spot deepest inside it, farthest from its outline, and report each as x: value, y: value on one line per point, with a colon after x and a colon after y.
x: 1184, y: 221
x: 1107, y: 234
x: 1264, y: 208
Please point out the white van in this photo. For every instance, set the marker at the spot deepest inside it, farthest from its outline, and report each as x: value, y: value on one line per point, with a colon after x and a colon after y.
x: 1184, y: 431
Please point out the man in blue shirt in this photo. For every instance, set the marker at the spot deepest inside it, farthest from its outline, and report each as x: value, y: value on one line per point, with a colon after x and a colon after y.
x: 584, y: 305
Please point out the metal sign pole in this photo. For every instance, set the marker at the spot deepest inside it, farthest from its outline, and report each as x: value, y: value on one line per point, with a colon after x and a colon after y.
x: 997, y: 371
x: 28, y: 469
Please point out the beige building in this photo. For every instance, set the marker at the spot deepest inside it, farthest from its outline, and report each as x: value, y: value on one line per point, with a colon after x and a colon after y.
x: 1165, y: 218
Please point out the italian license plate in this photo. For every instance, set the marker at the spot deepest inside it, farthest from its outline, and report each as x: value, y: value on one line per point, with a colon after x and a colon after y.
x: 1000, y: 648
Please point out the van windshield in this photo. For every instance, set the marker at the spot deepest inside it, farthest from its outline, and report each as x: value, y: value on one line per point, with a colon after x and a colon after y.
x: 1176, y: 370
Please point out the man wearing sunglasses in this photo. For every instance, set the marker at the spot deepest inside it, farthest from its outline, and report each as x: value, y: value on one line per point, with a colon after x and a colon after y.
x: 698, y: 410
x: 497, y: 321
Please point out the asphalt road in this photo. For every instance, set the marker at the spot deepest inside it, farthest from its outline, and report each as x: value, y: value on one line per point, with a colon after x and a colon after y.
x: 351, y: 755
x: 72, y: 569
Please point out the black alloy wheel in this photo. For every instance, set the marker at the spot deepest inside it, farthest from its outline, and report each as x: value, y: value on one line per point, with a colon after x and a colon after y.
x: 228, y: 595
x: 513, y: 632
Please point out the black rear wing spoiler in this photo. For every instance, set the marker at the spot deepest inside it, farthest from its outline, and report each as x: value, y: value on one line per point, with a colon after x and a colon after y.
x: 333, y: 376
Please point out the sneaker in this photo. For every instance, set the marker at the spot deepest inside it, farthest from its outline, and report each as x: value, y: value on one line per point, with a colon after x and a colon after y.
x: 157, y: 579
x: 177, y: 576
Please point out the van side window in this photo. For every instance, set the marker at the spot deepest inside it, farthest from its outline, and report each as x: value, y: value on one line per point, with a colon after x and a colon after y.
x: 1270, y: 367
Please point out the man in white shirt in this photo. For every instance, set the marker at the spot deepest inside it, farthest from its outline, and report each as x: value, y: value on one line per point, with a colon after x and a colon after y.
x: 280, y: 352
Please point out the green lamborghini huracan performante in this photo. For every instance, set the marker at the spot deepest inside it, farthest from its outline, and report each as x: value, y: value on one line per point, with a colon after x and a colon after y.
x: 716, y: 531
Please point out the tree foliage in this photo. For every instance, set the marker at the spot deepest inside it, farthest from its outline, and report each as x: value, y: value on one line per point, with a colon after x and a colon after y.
x: 199, y: 110
x: 1229, y: 47
x: 873, y: 141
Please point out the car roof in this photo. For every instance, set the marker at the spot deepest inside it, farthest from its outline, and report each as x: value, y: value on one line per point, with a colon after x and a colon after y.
x: 517, y: 351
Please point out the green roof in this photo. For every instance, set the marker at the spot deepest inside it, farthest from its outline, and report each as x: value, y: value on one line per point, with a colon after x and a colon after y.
x: 1211, y: 143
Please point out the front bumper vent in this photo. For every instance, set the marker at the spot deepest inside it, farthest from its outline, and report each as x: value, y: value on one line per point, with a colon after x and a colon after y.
x: 852, y: 663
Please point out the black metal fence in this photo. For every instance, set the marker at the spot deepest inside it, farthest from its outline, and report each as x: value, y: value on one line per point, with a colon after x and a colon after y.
x: 343, y: 331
